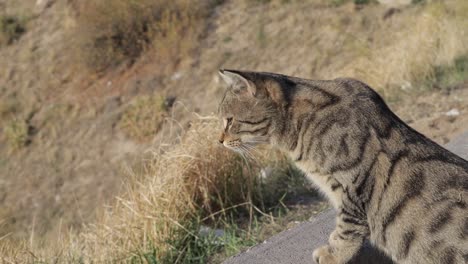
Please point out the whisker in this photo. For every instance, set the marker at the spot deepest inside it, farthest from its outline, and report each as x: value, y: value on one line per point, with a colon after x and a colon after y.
x: 251, y: 148
x: 247, y: 152
x: 248, y: 145
x: 252, y: 154
x: 242, y: 154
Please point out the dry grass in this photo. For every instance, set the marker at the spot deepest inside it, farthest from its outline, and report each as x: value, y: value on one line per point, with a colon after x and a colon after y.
x: 113, y: 32
x: 144, y: 117
x: 408, y: 52
x: 11, y: 252
x: 9, y: 106
x: 196, y: 180
x: 184, y: 186
x: 326, y: 41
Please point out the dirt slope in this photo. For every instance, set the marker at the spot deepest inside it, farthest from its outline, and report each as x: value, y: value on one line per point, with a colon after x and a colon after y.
x: 75, y: 157
x: 78, y: 157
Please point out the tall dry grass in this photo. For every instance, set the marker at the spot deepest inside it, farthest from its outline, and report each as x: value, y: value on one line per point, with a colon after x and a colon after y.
x: 194, y: 183
x: 407, y: 51
x: 197, y: 180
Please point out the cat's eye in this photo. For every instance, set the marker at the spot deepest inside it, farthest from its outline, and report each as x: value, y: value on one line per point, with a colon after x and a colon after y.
x: 227, y: 122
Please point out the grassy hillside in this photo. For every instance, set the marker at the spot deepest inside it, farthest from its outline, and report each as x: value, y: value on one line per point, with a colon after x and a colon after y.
x: 107, y: 139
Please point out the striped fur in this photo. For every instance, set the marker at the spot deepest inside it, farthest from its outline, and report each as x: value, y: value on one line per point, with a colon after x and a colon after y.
x: 390, y: 184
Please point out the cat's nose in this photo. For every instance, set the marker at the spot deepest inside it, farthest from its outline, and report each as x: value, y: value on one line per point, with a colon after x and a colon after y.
x: 220, y: 141
x: 221, y: 138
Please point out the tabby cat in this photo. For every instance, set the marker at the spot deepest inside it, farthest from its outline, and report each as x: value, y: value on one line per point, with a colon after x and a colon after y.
x: 389, y: 184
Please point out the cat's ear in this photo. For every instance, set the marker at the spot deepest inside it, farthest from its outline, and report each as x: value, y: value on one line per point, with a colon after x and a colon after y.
x: 237, y: 82
x: 275, y: 92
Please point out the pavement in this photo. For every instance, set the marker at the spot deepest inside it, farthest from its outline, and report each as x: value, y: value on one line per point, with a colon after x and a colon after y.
x: 295, y: 246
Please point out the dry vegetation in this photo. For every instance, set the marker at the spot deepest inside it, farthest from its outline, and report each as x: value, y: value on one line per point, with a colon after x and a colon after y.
x: 198, y: 182
x: 410, y: 52
x: 163, y: 212
x: 190, y: 184
x: 17, y: 133
x: 114, y: 32
x: 11, y: 29
x: 144, y: 117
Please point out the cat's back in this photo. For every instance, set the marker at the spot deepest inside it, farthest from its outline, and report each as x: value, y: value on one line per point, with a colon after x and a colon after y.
x: 347, y: 92
x: 342, y: 86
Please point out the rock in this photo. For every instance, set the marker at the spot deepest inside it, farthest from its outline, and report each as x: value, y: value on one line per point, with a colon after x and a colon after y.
x: 453, y: 112
x: 176, y: 76
x: 208, y: 231
x: 395, y: 3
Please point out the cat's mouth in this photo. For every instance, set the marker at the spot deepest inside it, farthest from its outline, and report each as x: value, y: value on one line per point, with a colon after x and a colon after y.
x: 236, y: 145
x: 246, y: 147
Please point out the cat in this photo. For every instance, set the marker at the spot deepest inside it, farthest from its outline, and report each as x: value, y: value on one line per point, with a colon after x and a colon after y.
x: 389, y: 184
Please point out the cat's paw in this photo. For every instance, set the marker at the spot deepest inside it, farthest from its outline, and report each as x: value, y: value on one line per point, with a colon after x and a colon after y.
x: 334, y: 240
x: 323, y: 255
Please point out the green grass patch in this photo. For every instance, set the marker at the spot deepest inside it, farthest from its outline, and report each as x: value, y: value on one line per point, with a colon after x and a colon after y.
x: 364, y: 2
x: 338, y: 2
x: 449, y: 76
x: 195, y: 243
x: 200, y: 245
x: 11, y: 28
x: 17, y: 133
x: 416, y: 2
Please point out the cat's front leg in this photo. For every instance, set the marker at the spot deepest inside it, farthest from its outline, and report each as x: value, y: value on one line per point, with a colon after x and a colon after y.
x: 338, y: 251
x: 344, y: 242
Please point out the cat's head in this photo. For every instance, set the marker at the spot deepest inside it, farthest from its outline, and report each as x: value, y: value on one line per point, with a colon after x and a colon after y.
x: 249, y: 109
